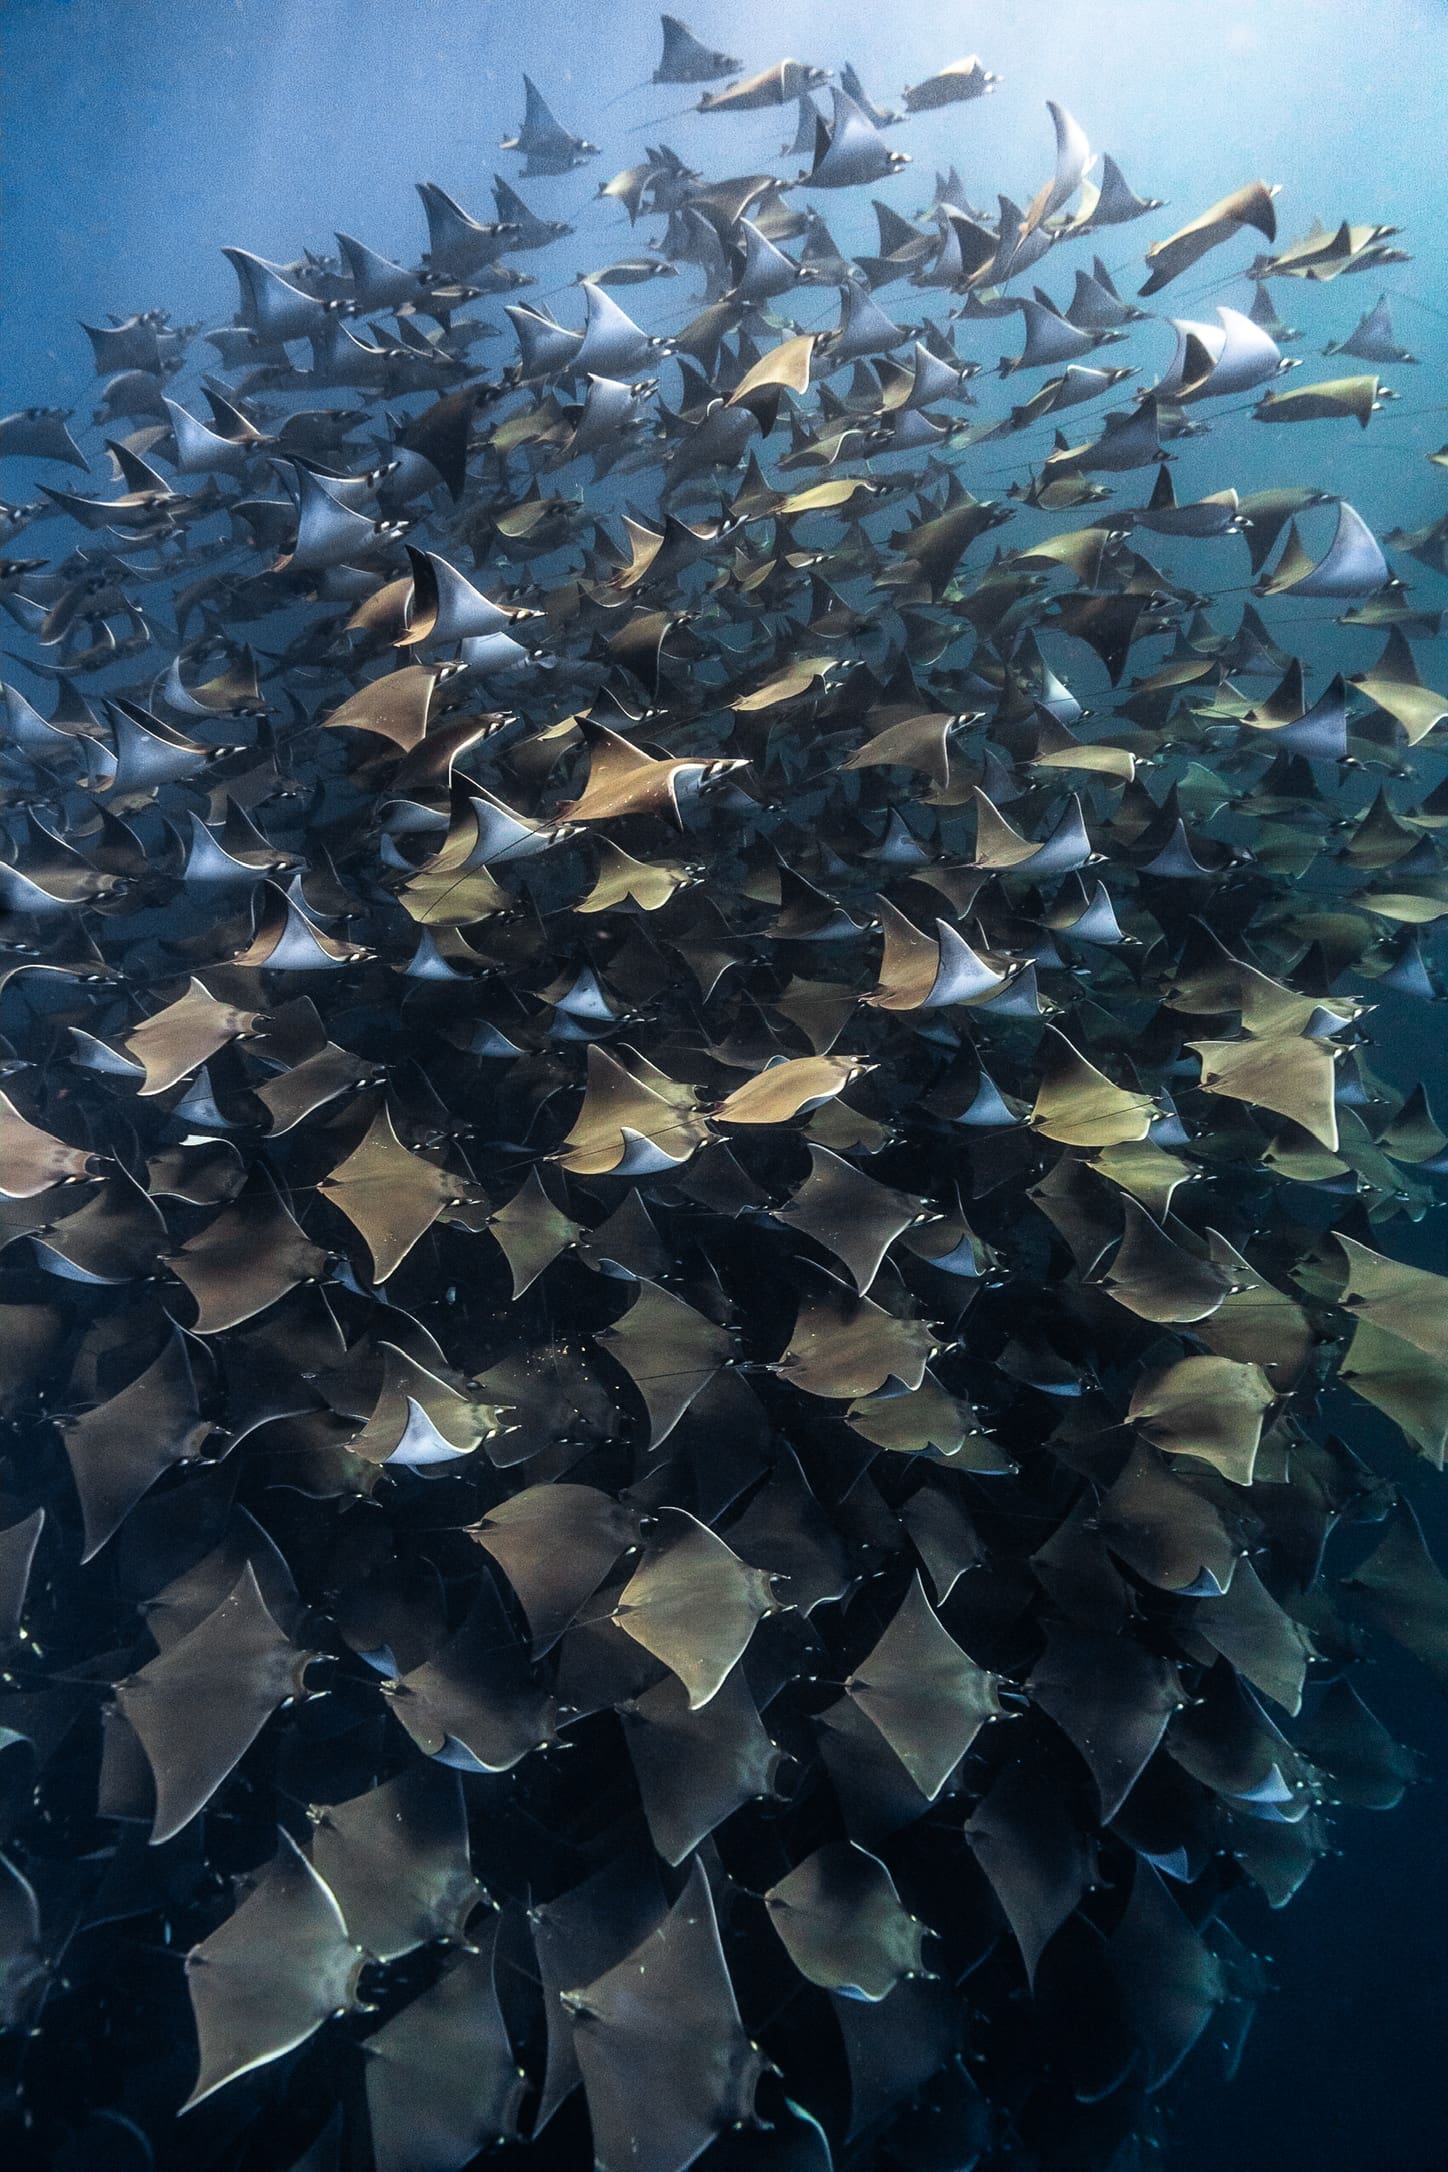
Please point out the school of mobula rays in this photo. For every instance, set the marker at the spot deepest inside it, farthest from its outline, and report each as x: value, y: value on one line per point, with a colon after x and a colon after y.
x: 707, y: 1366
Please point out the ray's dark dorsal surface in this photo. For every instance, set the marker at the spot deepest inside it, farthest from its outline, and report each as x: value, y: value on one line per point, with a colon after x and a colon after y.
x: 720, y: 1355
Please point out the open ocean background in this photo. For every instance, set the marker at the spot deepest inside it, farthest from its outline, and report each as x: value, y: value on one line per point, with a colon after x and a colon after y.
x: 140, y: 136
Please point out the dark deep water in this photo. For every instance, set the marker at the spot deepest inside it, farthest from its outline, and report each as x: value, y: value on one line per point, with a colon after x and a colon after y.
x: 139, y: 139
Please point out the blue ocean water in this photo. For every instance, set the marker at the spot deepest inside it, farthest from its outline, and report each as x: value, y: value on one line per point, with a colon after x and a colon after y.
x: 139, y: 137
